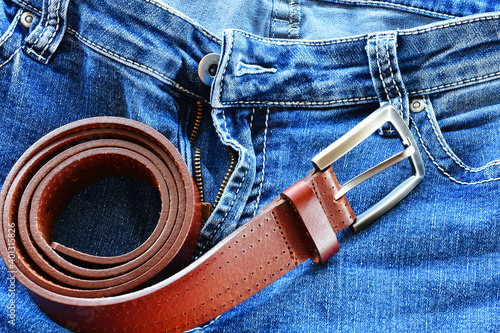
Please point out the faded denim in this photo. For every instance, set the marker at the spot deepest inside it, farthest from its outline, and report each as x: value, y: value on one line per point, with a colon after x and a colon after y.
x: 293, y: 76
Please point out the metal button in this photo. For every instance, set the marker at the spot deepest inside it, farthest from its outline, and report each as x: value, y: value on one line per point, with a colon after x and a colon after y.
x: 27, y: 19
x: 208, y: 68
x: 417, y: 105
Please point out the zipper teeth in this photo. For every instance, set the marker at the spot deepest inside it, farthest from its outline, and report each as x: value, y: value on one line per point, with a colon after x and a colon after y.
x: 197, y: 122
x: 197, y: 159
x: 197, y: 173
x: 197, y: 152
x: 229, y: 172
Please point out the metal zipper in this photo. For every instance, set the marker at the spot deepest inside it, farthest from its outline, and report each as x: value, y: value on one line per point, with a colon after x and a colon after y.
x: 197, y: 153
x: 229, y: 172
x: 207, y: 208
x: 198, y: 179
x: 197, y: 173
x: 197, y: 123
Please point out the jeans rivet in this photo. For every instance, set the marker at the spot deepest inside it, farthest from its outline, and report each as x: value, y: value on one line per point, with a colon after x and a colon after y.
x: 27, y: 19
x: 417, y: 105
x: 207, y: 68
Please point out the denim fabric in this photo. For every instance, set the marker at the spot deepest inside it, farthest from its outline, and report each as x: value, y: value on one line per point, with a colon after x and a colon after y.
x: 293, y: 76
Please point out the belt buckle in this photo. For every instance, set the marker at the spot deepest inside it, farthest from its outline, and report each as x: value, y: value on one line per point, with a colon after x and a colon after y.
x: 358, y: 134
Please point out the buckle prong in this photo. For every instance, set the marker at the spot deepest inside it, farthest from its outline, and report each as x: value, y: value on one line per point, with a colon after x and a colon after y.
x: 357, y: 135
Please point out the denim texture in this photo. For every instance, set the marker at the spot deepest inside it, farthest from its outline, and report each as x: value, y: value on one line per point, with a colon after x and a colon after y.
x: 293, y: 77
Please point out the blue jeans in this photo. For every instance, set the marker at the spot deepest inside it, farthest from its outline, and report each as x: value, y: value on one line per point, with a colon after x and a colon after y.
x: 293, y: 77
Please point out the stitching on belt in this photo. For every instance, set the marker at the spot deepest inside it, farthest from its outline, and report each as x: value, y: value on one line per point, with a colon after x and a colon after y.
x: 277, y: 222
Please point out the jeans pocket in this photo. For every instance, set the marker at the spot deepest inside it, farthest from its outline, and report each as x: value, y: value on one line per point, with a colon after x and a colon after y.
x: 460, y: 136
x: 10, y: 31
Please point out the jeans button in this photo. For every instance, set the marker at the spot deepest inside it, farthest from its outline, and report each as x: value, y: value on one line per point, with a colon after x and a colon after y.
x: 207, y: 68
x: 27, y: 19
x: 417, y: 105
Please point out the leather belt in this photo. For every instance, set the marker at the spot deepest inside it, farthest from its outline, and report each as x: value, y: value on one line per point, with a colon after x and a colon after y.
x: 137, y: 291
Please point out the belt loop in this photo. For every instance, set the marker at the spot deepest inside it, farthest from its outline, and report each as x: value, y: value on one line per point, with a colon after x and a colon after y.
x: 285, y: 19
x: 386, y: 76
x: 43, y: 41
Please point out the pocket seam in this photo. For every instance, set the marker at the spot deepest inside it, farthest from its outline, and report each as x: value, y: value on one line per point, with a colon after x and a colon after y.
x: 440, y: 168
x: 7, y: 36
x: 12, y: 27
x: 454, y: 157
x: 10, y: 57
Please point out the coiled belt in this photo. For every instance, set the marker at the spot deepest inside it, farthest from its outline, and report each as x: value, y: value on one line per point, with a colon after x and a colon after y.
x: 137, y: 291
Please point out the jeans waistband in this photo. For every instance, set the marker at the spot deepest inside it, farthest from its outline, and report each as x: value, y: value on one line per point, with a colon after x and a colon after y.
x: 428, y: 59
x: 142, y: 34
x: 256, y: 71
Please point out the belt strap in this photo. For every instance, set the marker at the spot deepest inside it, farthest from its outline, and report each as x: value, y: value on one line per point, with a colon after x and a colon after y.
x: 88, y: 293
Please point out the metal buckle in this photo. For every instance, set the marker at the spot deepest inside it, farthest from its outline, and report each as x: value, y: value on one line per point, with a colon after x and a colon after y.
x: 358, y: 134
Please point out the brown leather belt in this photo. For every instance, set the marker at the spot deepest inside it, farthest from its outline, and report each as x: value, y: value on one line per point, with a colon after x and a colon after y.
x: 87, y: 293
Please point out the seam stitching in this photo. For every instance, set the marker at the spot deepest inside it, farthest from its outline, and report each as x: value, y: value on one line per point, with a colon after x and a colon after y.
x: 418, y: 31
x: 40, y: 35
x: 251, y: 118
x: 393, y: 78
x: 56, y: 28
x: 289, y: 21
x: 173, y: 12
x: 290, y: 251
x: 313, y: 187
x: 226, y: 65
x: 395, y: 5
x: 286, y: 42
x: 314, y: 183
x: 453, y: 84
x: 212, y: 235
x: 364, y: 37
x: 134, y: 63
x: 11, y: 30
x: 29, y: 6
x: 10, y: 58
x: 273, y: 20
x: 263, y: 164
x: 301, y: 103
x: 380, y: 69
x: 451, y: 24
x: 441, y: 169
x: 165, y: 8
x: 454, y: 158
